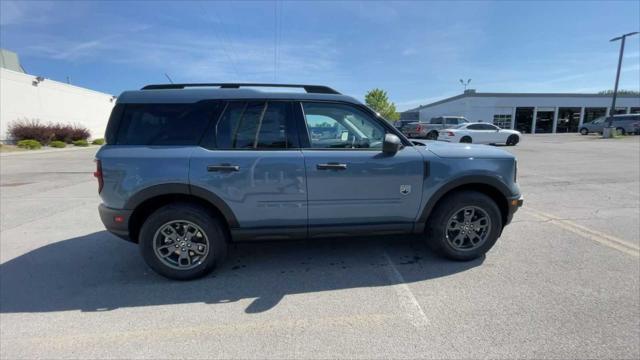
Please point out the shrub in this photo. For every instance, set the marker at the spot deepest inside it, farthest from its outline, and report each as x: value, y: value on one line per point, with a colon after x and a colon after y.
x: 25, y: 129
x: 81, y: 143
x: 98, y: 141
x: 29, y: 144
x: 57, y: 144
x: 79, y: 132
x: 62, y: 132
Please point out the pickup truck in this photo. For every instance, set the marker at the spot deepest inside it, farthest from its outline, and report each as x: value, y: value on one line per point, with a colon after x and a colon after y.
x: 429, y: 129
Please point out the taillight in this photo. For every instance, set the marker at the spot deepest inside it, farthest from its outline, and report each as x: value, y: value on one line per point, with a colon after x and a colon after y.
x: 450, y: 133
x: 98, y: 175
x: 418, y: 128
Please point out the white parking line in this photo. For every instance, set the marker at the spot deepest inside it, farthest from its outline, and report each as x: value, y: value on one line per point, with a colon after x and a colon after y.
x: 408, y: 301
x: 602, y: 238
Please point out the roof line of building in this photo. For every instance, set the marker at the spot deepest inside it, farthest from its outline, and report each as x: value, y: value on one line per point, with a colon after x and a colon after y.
x: 471, y: 93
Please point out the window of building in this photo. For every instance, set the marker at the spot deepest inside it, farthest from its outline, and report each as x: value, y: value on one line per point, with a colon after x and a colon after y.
x: 502, y: 121
x: 591, y: 114
x: 568, y: 119
x: 253, y: 125
x: 635, y: 110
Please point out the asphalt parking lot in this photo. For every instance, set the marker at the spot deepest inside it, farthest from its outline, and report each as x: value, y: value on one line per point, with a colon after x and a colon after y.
x: 562, y: 282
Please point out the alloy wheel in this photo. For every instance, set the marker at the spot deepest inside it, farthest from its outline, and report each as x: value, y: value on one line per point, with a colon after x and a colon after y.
x: 181, y: 244
x: 468, y: 228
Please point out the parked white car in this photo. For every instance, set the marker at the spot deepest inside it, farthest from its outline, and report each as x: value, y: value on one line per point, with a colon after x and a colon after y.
x: 480, y: 133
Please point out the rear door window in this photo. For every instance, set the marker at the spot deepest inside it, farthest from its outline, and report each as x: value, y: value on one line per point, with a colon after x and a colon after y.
x: 164, y: 124
x: 436, y: 120
x: 254, y: 125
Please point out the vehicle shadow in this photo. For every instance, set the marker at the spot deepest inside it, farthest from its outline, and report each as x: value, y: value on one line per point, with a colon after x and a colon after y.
x: 98, y: 272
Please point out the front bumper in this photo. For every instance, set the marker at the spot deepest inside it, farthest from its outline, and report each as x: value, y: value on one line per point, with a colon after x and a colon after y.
x: 116, y: 221
x: 514, y: 204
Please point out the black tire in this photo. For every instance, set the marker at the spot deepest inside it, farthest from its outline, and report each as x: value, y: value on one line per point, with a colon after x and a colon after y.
x: 620, y: 131
x: 432, y: 135
x: 512, y: 140
x: 211, y: 226
x: 447, y: 207
x: 584, y: 131
x: 466, y: 140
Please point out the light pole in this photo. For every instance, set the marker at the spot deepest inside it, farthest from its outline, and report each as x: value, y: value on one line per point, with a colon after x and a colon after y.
x: 615, y: 88
x: 465, y: 84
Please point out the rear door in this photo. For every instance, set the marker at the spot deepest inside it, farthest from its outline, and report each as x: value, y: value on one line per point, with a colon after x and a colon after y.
x: 478, y: 133
x: 250, y: 160
x: 352, y: 186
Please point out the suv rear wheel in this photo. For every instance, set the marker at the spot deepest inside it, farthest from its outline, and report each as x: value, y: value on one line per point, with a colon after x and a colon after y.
x: 464, y: 225
x: 584, y: 131
x: 432, y: 135
x: 182, y: 241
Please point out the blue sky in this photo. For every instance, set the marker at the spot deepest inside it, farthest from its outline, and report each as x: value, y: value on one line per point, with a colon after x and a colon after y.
x: 416, y: 51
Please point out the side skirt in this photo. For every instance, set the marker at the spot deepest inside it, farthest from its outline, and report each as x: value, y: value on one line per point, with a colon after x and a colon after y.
x: 319, y: 231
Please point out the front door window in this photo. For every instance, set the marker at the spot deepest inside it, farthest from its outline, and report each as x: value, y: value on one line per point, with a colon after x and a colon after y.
x: 341, y: 126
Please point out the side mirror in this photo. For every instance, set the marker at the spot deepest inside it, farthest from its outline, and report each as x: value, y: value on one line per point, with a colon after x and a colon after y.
x: 392, y: 144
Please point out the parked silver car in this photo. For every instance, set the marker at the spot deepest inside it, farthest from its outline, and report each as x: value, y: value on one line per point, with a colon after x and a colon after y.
x: 429, y: 129
x: 624, y: 124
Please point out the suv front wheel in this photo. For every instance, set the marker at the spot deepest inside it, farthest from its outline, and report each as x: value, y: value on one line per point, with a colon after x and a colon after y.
x: 464, y: 225
x: 182, y: 241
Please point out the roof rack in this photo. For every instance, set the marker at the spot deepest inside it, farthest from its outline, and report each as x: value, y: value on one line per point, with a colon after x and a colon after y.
x: 315, y: 89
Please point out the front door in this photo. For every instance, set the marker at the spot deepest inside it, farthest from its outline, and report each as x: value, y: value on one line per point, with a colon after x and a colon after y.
x: 352, y: 186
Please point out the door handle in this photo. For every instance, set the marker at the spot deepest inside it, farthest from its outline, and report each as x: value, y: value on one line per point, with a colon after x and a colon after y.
x: 223, y: 167
x: 331, y: 166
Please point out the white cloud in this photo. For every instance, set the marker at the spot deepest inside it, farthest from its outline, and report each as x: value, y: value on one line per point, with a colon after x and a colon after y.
x: 409, y: 51
x: 187, y: 56
x: 21, y: 12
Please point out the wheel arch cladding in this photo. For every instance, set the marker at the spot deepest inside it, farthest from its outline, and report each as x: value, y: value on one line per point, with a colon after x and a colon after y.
x: 148, y: 200
x: 491, y: 187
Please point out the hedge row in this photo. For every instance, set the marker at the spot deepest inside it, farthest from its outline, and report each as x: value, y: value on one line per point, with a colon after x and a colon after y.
x: 46, y: 133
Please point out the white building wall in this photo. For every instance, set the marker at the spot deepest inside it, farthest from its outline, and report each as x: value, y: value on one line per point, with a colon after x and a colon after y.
x: 51, y: 101
x: 482, y: 108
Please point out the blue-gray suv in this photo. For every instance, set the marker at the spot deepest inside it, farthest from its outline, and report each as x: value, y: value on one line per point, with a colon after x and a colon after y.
x: 189, y: 168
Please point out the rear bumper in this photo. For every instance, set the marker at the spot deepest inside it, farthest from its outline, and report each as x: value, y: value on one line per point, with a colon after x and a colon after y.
x: 116, y: 221
x: 514, y: 204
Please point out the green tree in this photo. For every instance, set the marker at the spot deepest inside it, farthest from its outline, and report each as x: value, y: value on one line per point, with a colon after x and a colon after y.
x: 378, y: 100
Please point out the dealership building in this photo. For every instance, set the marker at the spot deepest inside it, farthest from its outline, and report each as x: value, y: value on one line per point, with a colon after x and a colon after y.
x: 24, y: 96
x: 526, y: 112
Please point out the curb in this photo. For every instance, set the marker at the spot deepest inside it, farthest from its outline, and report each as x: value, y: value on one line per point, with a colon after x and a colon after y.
x: 48, y: 151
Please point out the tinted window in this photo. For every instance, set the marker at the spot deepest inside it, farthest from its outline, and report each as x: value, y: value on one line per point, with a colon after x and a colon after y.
x: 164, y: 124
x: 436, y: 120
x: 452, y: 121
x: 627, y: 118
x: 341, y: 126
x: 475, y: 127
x: 253, y: 125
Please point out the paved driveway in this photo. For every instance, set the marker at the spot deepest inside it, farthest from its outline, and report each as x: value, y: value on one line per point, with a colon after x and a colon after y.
x: 563, y: 281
